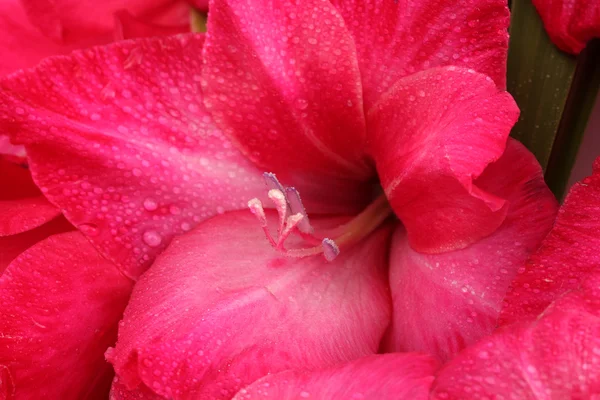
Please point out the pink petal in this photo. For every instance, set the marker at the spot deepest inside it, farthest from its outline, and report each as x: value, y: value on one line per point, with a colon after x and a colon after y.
x: 59, y: 306
x: 398, y: 38
x: 118, y: 138
x: 76, y: 21
x: 432, y: 134
x: 220, y: 308
x: 556, y: 356
x: 444, y: 302
x: 378, y: 377
x: 290, y: 96
x: 570, y: 23
x: 567, y: 255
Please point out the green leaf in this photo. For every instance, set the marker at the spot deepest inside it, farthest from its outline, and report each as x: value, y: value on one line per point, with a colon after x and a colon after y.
x: 554, y: 90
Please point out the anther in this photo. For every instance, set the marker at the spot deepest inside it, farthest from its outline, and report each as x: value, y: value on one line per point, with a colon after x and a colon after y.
x: 278, y: 198
x: 330, y: 249
x: 291, y: 223
x: 297, y: 207
x: 256, y: 207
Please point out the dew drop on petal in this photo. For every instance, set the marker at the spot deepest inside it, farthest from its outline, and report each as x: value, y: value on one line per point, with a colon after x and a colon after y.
x: 150, y: 204
x: 152, y: 238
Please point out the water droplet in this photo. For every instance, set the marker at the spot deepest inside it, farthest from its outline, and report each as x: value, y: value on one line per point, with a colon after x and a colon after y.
x: 150, y: 204
x: 89, y: 229
x: 152, y: 238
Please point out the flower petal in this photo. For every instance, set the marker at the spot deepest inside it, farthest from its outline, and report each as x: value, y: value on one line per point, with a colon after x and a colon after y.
x: 127, y: 26
x: 378, y: 377
x: 76, y: 21
x: 567, y: 255
x: 570, y: 23
x: 118, y: 138
x: 13, y: 245
x: 118, y: 391
x: 22, y: 205
x: 221, y: 308
x: 60, y: 302
x: 398, y: 38
x: 21, y: 44
x: 444, y: 302
x: 556, y: 356
x: 290, y: 96
x: 431, y: 135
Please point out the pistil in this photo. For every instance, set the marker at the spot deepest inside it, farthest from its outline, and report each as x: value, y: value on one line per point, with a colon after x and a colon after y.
x: 294, y: 219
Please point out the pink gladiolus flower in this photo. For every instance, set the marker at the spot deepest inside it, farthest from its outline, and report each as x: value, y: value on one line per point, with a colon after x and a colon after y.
x: 34, y: 29
x: 369, y: 140
x: 570, y: 24
x: 551, y: 352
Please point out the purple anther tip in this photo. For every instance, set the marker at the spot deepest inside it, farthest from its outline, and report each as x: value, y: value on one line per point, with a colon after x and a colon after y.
x: 330, y: 249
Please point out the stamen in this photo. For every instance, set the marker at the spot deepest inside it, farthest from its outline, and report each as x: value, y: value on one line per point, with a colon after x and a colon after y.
x: 294, y: 218
x: 291, y: 223
x: 256, y: 207
x: 330, y: 249
x: 272, y: 181
x: 278, y: 198
x: 296, y: 207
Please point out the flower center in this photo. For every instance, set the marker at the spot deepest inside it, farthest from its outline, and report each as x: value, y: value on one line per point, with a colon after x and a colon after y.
x: 293, y: 219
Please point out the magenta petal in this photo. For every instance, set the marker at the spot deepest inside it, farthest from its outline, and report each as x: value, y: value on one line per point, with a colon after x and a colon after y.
x: 60, y: 302
x: 432, y: 135
x: 567, y: 256
x: 444, y: 302
x: 556, y: 356
x: 220, y: 308
x: 570, y: 23
x: 119, y: 139
x: 378, y: 377
x: 289, y: 95
x: 398, y: 38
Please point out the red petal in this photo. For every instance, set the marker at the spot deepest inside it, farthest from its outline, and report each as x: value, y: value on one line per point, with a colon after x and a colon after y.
x: 59, y: 306
x: 118, y: 391
x: 289, y: 95
x: 444, y: 302
x: 398, y: 38
x: 13, y: 245
x: 380, y: 377
x: 9, y: 150
x: 21, y: 43
x: 432, y: 134
x: 220, y: 308
x: 126, y: 148
x: 556, y: 356
x: 570, y: 23
x: 22, y: 206
x: 567, y: 255
x: 128, y: 26
x: 201, y: 5
x: 76, y: 21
